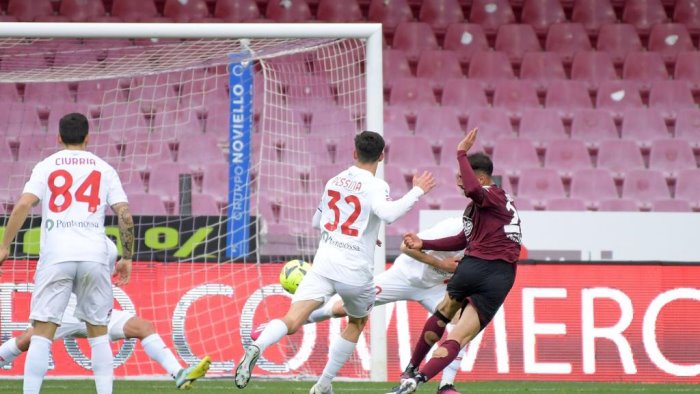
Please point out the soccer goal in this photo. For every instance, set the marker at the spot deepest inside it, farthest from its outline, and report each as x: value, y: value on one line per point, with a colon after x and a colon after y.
x: 223, y: 136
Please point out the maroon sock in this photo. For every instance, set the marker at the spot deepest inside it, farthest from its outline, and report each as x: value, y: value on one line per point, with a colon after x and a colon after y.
x: 437, y: 364
x: 436, y: 323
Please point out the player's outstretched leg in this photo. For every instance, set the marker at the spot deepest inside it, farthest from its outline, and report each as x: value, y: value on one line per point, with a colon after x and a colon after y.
x: 245, y: 368
x: 187, y: 376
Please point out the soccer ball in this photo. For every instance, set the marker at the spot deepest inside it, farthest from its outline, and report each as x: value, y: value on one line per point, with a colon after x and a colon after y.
x: 292, y: 274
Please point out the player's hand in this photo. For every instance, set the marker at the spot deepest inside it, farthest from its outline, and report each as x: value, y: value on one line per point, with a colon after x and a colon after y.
x: 425, y: 181
x: 448, y: 264
x: 122, y: 272
x: 412, y: 241
x: 468, y: 141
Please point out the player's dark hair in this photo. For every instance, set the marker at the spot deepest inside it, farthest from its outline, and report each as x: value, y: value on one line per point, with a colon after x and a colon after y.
x: 369, y: 146
x: 481, y: 162
x: 73, y: 128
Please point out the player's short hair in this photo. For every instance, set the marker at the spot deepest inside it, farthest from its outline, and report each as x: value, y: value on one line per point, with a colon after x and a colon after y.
x: 481, y: 162
x: 369, y: 146
x: 73, y: 128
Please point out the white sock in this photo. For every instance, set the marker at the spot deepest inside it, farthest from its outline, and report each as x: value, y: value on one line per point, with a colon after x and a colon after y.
x: 102, y: 364
x: 340, y: 351
x: 273, y: 332
x: 324, y: 312
x: 9, y: 352
x: 36, y: 364
x: 160, y: 353
x: 449, y: 373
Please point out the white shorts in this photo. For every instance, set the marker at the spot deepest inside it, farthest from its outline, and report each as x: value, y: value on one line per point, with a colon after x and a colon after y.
x: 392, y: 285
x: 54, y: 283
x: 357, y: 300
x: 74, y: 328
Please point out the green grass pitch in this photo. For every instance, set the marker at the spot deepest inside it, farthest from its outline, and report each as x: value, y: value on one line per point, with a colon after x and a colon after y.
x: 277, y: 387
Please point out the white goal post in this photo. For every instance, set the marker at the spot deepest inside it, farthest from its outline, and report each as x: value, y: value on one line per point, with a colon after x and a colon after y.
x: 369, y: 33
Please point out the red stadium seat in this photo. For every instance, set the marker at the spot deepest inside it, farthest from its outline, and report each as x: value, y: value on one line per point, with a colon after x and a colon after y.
x: 146, y: 204
x: 688, y: 187
x: 215, y: 180
x: 515, y: 96
x: 413, y: 38
x: 592, y: 186
x: 618, y: 40
x: 448, y: 147
x: 567, y: 97
x: 512, y: 155
x: 440, y: 13
x: 618, y: 96
x: 199, y: 151
x: 82, y: 10
x: 8, y: 93
x: 47, y: 93
x: 618, y: 205
x: 541, y: 68
x: 592, y: 14
x: 410, y: 153
x: 395, y: 121
x: 395, y: 65
x: 619, y: 156
x: 687, y: 12
x: 593, y: 126
x: 134, y: 10
x: 644, y: 14
x: 204, y: 205
x: 187, y: 11
x: 669, y: 97
x: 438, y: 121
x: 396, y: 178
x: 540, y: 185
x: 671, y: 156
x: 489, y: 67
x: 687, y: 68
x: 567, y: 39
x: 688, y: 126
x: 515, y: 40
x: 412, y: 94
x: 541, y: 126
x: 34, y: 147
x: 670, y: 205
x: 670, y: 39
x: 645, y: 186
x: 28, y: 11
x: 644, y: 67
x: 567, y: 156
x: 288, y: 11
x: 463, y: 95
x: 491, y: 14
x: 339, y: 11
x: 390, y: 14
x: 237, y: 10
x: 565, y: 204
x: 465, y: 39
x: 593, y: 68
x: 541, y: 14
x: 438, y: 66
x: 643, y: 126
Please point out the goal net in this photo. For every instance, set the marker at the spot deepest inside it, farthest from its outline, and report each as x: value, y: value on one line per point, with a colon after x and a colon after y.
x: 223, y: 147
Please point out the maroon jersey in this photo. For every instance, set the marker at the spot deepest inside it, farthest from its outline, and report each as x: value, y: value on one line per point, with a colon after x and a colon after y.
x: 491, y: 222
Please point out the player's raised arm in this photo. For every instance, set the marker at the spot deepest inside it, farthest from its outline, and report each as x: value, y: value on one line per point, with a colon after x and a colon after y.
x: 389, y: 210
x: 126, y: 233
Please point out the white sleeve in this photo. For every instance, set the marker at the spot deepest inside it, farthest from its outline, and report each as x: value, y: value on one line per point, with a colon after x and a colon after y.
x: 37, y: 183
x: 389, y: 210
x: 115, y: 191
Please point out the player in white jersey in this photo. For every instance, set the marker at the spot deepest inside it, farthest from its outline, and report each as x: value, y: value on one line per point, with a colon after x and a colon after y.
x: 352, y: 207
x: 122, y: 325
x: 74, y: 187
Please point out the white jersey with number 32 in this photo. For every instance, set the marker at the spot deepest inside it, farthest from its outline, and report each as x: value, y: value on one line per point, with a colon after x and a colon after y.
x: 74, y: 187
x: 352, y: 207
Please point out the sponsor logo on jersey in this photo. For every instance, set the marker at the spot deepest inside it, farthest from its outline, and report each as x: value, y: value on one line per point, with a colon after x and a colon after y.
x: 49, y: 224
x: 64, y: 224
x: 326, y: 237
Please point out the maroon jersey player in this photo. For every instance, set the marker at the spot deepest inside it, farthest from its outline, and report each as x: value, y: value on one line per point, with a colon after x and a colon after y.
x: 491, y: 240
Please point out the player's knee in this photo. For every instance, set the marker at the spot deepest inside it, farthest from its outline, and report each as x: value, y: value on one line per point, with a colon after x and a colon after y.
x: 358, y: 321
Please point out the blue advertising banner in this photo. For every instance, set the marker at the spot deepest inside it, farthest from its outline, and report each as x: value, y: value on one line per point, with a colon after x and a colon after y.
x: 240, y: 130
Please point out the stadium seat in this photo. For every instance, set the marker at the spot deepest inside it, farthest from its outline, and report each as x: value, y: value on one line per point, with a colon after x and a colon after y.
x: 592, y: 186
x: 644, y: 68
x: 688, y: 187
x: 103, y: 146
x: 394, y: 65
x: 389, y: 13
x: 515, y: 40
x: 670, y: 39
x: 565, y: 204
x: 47, y: 93
x: 619, y: 156
x: 643, y: 126
x: 671, y: 155
x: 445, y: 179
x: 146, y: 204
x: 438, y: 121
x: 618, y: 205
x: 8, y: 93
x: 204, y: 205
x: 490, y: 67
x: 465, y: 39
x: 298, y: 208
x: 332, y: 122
x: 134, y: 10
x: 437, y: 66
x: 644, y: 186
x: 448, y: 147
x: 188, y: 11
x: 687, y: 13
x: 463, y: 95
x: 644, y: 14
x: 215, y: 180
x: 617, y: 40
x: 515, y: 96
x: 413, y: 38
x: 34, y: 147
x: 198, y: 151
x: 540, y: 185
x: 566, y: 156
x: 395, y: 121
x: 541, y: 126
x: 5, y: 155
x: 142, y: 152
x: 288, y: 11
x: 618, y: 96
x: 440, y: 13
x: 29, y: 11
x: 339, y: 11
x: 396, y: 178
x: 412, y: 94
x: 670, y: 205
x: 541, y: 14
x: 541, y: 68
x: 493, y: 125
x: 688, y: 126
x: 82, y: 10
x: 237, y: 10
x: 669, y: 97
x: 566, y: 97
x: 491, y: 14
x: 593, y: 68
x: 592, y: 14
x: 512, y: 155
x: 408, y: 222
x: 308, y: 92
x: 269, y: 207
x: 567, y: 39
x: 687, y: 68
x: 593, y: 126
x: 410, y: 153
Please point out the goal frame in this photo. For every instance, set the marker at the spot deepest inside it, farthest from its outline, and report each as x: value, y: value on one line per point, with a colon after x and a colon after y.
x: 371, y: 32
